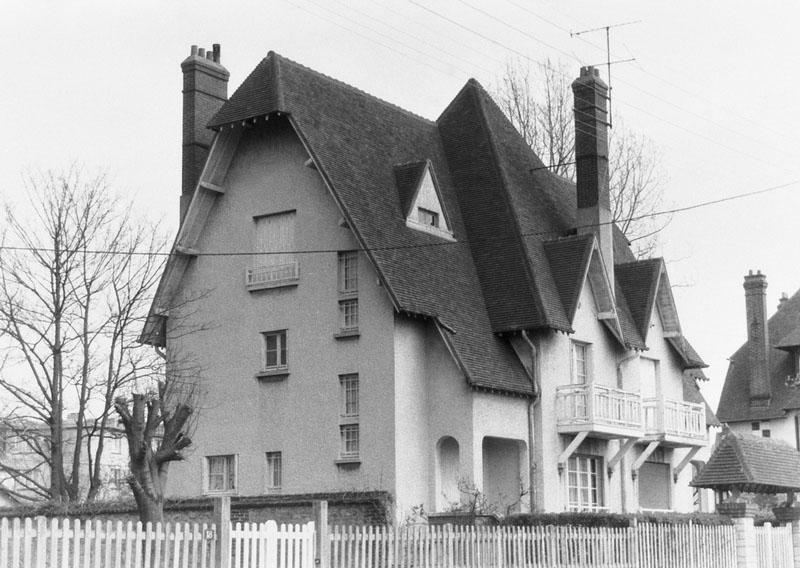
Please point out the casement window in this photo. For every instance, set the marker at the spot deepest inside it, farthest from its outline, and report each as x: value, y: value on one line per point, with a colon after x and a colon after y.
x: 274, y: 350
x: 274, y: 263
x: 348, y: 272
x: 348, y: 417
x: 221, y: 474
x: 581, y: 363
x: 585, y: 483
x: 348, y: 315
x: 348, y: 292
x: 349, y: 395
x: 274, y: 471
x: 350, y: 441
x: 427, y: 217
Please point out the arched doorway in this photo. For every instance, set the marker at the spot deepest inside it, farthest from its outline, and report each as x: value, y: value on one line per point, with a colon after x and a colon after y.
x: 448, y: 468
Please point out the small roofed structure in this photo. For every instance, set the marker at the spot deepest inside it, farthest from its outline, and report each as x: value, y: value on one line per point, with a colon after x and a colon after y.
x: 753, y: 464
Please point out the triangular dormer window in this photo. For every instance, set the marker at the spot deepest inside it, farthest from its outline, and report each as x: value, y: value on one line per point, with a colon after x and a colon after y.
x: 421, y: 199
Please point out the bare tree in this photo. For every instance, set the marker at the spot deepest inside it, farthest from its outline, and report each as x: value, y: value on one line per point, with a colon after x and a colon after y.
x: 157, y: 428
x: 76, y: 279
x: 539, y: 104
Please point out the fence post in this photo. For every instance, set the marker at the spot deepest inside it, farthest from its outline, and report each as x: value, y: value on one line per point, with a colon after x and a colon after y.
x: 321, y: 536
x: 742, y: 515
x: 222, y: 520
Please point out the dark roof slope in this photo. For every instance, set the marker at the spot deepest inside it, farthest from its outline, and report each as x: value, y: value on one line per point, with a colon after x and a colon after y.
x: 751, y: 463
x: 500, y: 275
x: 639, y: 281
x: 356, y: 140
x: 568, y: 259
x: 734, y: 403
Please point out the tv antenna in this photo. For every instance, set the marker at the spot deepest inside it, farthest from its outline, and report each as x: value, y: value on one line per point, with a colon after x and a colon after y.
x: 608, y: 53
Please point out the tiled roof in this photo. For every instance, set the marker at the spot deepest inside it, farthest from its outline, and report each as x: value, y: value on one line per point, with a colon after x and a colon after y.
x: 504, y: 272
x: 791, y: 340
x: 638, y: 281
x: 734, y: 403
x: 568, y: 258
x: 408, y: 177
x: 751, y: 463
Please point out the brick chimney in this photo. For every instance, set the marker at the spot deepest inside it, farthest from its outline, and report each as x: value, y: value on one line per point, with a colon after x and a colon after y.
x: 591, y: 162
x: 755, y: 297
x: 205, y: 89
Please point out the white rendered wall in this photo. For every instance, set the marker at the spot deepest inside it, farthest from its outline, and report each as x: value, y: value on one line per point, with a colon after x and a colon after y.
x: 298, y: 415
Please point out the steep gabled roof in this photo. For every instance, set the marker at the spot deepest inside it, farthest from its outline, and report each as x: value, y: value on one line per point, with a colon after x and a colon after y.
x: 639, y: 282
x: 503, y: 273
x: 356, y: 140
x: 569, y: 260
x: 751, y: 463
x: 734, y: 403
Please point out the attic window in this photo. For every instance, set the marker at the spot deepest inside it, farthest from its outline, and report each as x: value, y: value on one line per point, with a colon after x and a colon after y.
x: 429, y: 218
x: 420, y: 199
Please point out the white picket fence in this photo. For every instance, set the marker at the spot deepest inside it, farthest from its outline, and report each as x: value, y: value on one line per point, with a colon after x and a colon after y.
x: 645, y: 546
x: 266, y: 545
x: 774, y: 546
x: 65, y: 543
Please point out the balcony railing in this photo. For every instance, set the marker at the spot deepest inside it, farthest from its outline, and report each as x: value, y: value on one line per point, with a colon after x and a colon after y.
x: 674, y: 419
x: 273, y: 276
x: 598, y: 408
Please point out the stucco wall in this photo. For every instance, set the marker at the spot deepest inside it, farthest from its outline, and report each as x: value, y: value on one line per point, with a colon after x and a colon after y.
x: 300, y: 414
x: 432, y: 400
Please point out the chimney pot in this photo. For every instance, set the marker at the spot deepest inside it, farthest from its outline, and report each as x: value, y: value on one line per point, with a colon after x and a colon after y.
x: 201, y: 52
x: 217, y: 52
x: 194, y: 50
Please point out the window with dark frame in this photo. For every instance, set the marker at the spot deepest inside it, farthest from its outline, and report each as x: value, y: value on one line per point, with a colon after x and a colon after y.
x: 275, y: 355
x: 427, y: 217
x: 274, y: 471
x: 221, y: 473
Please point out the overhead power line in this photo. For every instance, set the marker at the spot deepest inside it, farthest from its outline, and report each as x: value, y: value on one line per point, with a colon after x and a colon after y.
x: 443, y: 243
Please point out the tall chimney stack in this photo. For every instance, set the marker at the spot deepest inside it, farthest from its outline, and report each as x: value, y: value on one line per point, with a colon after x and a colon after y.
x: 755, y: 297
x: 591, y: 162
x: 205, y: 89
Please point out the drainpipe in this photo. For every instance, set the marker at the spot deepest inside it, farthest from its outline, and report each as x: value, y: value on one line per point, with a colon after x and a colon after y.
x: 623, y: 493
x: 532, y: 402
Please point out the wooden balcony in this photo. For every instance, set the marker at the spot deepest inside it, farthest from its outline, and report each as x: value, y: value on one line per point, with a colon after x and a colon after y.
x: 600, y: 410
x: 675, y: 423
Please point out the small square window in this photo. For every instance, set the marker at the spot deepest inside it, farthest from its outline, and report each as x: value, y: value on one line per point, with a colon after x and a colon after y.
x: 350, y: 440
x: 274, y: 350
x: 755, y: 426
x: 348, y: 272
x: 221, y: 473
x: 427, y: 217
x: 274, y: 471
x: 349, y: 389
x: 348, y: 315
x: 766, y: 433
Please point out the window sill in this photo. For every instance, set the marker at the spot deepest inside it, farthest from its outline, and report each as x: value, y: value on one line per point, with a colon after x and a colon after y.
x: 231, y: 493
x: 348, y: 461
x: 269, y: 285
x: 347, y: 334
x: 273, y: 375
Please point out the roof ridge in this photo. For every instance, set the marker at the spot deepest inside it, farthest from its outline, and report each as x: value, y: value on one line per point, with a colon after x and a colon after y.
x: 349, y: 87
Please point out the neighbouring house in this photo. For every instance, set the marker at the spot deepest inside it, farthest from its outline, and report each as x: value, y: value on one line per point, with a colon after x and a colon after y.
x: 761, y: 394
x: 378, y: 301
x: 24, y: 445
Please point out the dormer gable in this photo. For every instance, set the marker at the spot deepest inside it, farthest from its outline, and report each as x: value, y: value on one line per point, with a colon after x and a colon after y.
x: 574, y: 261
x: 420, y: 199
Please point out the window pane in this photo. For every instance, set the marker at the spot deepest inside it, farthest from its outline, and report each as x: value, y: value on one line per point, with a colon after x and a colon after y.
x: 348, y: 271
x: 221, y: 473
x: 274, y: 470
x: 275, y: 234
x: 274, y: 349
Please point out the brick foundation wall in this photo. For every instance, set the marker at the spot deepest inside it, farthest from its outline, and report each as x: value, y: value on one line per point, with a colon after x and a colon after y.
x: 365, y: 508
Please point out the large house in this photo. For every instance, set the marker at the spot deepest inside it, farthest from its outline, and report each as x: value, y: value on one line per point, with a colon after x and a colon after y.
x: 761, y: 394
x: 378, y: 301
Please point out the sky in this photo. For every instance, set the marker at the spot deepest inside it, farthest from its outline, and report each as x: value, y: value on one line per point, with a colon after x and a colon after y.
x: 712, y: 85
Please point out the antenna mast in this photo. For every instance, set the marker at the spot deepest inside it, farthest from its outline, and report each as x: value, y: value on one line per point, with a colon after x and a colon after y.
x: 608, y: 53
